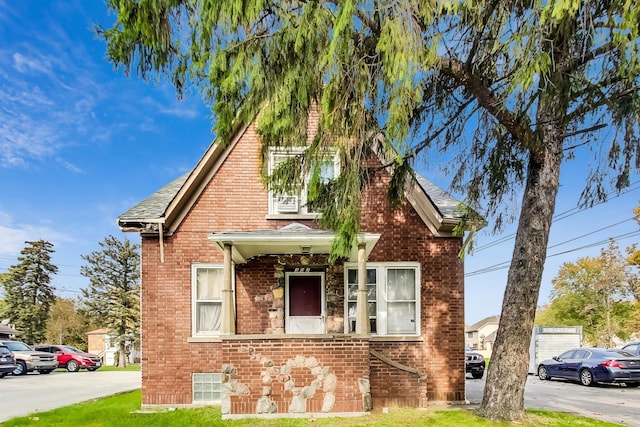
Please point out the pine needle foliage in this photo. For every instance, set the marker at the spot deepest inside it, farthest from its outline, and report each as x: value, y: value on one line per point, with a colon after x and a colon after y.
x: 510, y: 90
x: 28, y: 294
x: 112, y: 299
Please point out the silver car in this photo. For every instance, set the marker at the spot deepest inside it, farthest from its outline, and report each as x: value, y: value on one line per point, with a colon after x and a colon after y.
x: 29, y: 360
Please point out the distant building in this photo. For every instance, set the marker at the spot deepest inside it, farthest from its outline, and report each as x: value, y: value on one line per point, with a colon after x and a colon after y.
x: 7, y: 332
x: 481, y: 335
x: 102, y: 343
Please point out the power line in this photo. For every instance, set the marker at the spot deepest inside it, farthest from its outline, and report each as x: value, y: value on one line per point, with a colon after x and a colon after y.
x: 561, y: 216
x: 590, y: 233
x: 505, y: 264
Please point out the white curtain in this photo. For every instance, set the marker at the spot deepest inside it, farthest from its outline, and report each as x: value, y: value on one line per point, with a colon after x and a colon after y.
x: 401, y: 284
x: 401, y: 304
x: 209, y: 284
x: 209, y: 316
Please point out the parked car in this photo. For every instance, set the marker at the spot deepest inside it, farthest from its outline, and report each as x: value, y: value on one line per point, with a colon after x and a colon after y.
x: 633, y: 348
x: 474, y: 363
x: 593, y: 365
x: 71, y: 358
x: 29, y: 360
x: 7, y: 361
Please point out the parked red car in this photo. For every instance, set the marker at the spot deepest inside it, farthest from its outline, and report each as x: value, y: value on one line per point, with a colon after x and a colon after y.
x: 71, y: 358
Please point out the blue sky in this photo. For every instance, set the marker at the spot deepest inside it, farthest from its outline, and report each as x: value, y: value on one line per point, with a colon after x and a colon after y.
x: 81, y: 143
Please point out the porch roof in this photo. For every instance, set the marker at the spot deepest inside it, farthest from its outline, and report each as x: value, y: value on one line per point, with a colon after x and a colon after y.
x: 294, y: 238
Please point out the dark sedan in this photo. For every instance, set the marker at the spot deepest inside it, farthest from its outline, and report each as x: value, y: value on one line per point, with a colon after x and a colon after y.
x: 7, y: 361
x: 593, y: 365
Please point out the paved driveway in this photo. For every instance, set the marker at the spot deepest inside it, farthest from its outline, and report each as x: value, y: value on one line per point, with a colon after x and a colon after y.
x: 37, y: 393
x: 611, y: 403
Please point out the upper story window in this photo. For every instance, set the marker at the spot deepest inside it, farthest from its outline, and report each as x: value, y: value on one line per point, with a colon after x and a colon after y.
x: 295, y: 203
x: 393, y: 295
x: 206, y: 290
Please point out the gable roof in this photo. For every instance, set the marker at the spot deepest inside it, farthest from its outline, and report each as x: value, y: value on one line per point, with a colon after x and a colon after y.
x: 476, y: 326
x: 167, y: 207
x: 100, y: 331
x: 153, y: 208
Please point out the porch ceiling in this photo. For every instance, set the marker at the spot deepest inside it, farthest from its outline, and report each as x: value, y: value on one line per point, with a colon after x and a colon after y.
x: 294, y: 238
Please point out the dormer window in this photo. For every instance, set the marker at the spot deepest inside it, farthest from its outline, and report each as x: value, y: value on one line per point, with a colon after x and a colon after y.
x: 296, y: 203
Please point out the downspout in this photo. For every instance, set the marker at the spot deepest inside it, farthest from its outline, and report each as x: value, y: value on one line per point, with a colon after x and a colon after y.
x: 161, y: 236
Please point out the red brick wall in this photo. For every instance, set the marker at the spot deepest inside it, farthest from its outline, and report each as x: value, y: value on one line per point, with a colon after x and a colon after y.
x: 254, y: 282
x: 404, y: 237
x: 236, y: 200
x: 391, y: 386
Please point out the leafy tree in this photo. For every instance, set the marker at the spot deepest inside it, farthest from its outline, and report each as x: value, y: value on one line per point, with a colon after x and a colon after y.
x: 113, y: 297
x: 594, y: 292
x: 67, y: 325
x: 28, y: 294
x: 633, y: 257
x: 509, y: 89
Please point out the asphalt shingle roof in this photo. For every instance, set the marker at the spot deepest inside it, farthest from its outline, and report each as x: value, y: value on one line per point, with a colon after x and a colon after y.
x: 444, y: 202
x: 154, y: 206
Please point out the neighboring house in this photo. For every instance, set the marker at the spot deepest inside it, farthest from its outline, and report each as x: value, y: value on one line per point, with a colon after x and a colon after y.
x: 481, y: 335
x: 7, y: 332
x: 102, y: 343
x: 240, y: 306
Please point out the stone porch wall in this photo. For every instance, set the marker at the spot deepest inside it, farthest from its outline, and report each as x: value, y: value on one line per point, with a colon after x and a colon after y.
x: 295, y: 375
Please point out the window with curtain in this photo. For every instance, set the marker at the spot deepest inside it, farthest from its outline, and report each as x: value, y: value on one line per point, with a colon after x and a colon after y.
x: 297, y: 203
x: 393, y: 298
x: 208, y: 282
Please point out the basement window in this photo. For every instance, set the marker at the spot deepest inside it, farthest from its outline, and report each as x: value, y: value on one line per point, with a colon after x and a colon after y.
x: 206, y: 387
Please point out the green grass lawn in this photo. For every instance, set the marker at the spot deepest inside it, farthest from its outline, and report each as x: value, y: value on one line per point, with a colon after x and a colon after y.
x: 132, y: 367
x: 121, y: 410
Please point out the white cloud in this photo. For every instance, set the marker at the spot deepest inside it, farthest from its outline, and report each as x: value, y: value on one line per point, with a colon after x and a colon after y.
x: 25, y: 64
x: 13, y: 235
x: 184, y: 109
x: 41, y: 113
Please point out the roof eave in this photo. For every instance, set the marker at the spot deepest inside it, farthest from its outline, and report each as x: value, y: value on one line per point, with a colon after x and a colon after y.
x: 246, y: 245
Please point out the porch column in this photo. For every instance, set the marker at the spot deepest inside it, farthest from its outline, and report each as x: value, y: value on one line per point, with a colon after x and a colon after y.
x: 362, y: 306
x: 228, y: 326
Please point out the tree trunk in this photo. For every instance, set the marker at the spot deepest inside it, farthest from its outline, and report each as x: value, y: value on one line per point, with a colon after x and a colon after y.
x: 506, y: 378
x: 122, y: 355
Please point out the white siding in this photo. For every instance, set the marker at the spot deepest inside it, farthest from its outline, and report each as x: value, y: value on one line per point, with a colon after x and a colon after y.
x: 549, y: 341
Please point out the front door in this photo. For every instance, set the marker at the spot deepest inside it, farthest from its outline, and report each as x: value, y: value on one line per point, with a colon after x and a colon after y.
x: 305, y: 303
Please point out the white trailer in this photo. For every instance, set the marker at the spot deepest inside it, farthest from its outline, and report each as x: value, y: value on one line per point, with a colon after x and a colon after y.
x: 549, y: 341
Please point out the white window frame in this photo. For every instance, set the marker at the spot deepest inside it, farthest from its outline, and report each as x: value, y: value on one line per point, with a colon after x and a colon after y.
x: 194, y: 297
x: 206, y: 382
x: 381, y: 295
x: 301, y: 205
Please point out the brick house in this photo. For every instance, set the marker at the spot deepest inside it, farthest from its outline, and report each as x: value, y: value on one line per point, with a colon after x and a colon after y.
x: 241, y: 308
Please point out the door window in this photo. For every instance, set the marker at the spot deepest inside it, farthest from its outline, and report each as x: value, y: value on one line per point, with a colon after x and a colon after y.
x: 305, y: 296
